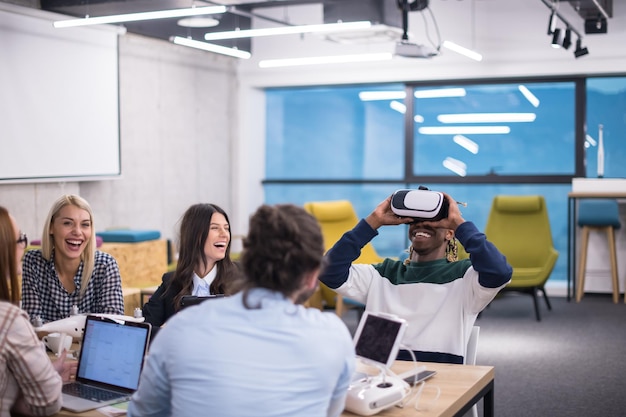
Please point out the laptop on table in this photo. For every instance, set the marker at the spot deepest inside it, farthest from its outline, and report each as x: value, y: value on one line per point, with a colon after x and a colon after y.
x: 111, y: 358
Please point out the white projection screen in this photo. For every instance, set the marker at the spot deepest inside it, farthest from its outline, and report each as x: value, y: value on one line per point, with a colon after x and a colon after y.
x: 59, y: 104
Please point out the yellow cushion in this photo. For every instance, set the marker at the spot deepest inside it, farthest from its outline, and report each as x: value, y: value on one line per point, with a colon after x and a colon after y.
x: 519, y: 204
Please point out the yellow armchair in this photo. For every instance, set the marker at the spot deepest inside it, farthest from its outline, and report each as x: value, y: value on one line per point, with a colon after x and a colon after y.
x: 520, y: 229
x: 336, y: 218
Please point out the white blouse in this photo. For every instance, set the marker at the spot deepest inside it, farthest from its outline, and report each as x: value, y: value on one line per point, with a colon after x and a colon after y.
x: 202, y: 285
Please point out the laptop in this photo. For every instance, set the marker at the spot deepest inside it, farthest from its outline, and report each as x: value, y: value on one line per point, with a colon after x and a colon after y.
x: 192, y: 300
x: 111, y: 358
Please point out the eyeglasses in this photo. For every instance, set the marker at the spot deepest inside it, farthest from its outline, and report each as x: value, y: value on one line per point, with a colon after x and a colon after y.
x: 23, y: 240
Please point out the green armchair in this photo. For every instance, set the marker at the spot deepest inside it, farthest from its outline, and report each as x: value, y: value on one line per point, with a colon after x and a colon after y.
x: 520, y: 229
x: 335, y: 218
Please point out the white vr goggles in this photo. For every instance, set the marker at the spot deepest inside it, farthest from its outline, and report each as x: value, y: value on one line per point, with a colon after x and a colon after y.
x: 420, y: 204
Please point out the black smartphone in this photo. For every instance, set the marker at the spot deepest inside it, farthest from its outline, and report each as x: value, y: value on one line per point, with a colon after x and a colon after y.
x: 412, y: 380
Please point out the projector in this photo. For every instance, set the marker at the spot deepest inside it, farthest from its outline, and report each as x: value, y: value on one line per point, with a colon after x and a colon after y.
x: 413, y: 50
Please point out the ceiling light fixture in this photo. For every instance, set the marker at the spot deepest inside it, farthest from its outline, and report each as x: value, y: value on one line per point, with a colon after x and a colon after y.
x: 580, y: 51
x: 198, y: 22
x: 237, y: 53
x: 487, y: 118
x: 552, y: 22
x: 440, y: 93
x: 464, y: 130
x: 381, y: 95
x: 556, y: 38
x: 462, y: 50
x: 466, y: 143
x: 133, y: 17
x: 287, y: 30
x: 552, y: 30
x: 397, y: 106
x: 567, y: 39
x: 589, y: 141
x: 456, y: 166
x: 528, y: 95
x: 318, y: 60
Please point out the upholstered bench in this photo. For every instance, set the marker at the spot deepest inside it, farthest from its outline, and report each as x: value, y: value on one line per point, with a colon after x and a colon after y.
x: 142, y: 258
x: 128, y: 235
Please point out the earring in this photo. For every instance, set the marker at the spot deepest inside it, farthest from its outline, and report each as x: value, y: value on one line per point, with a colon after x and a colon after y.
x: 452, y: 251
x: 410, y: 251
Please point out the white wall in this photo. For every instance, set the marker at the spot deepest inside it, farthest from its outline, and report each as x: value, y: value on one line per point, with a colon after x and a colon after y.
x: 179, y: 121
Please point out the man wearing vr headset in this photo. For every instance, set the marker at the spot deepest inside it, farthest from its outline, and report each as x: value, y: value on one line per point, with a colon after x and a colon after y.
x: 439, y: 296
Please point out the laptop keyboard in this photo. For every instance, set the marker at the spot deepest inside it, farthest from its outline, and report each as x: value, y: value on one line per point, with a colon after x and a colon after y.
x: 90, y: 393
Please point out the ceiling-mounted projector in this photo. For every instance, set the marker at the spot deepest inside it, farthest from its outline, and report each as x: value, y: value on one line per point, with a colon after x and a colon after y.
x: 414, y: 50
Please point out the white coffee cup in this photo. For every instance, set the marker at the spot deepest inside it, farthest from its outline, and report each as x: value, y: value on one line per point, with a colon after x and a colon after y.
x: 56, y: 342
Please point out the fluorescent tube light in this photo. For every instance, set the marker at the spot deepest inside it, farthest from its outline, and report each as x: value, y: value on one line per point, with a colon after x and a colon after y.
x: 466, y: 143
x: 418, y: 118
x: 532, y: 99
x: 397, y: 106
x: 287, y: 30
x: 337, y: 59
x: 464, y: 130
x: 381, y: 95
x: 237, y: 53
x: 462, y: 50
x: 440, y: 92
x: 456, y: 166
x: 589, y: 141
x: 133, y: 17
x: 487, y: 118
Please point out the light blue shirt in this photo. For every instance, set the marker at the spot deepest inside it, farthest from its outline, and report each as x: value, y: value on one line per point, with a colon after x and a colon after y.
x: 202, y: 286
x: 221, y: 359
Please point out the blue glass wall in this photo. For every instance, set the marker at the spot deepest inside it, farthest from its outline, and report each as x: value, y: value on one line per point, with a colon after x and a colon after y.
x: 606, y: 105
x: 497, y: 121
x: 332, y: 143
x: 324, y: 133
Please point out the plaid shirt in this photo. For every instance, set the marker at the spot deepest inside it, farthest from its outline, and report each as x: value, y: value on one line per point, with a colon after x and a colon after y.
x: 26, y: 373
x: 43, y: 294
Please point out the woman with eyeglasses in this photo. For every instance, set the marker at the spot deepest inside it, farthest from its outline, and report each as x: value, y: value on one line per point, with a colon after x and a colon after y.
x: 30, y: 384
x: 68, y: 270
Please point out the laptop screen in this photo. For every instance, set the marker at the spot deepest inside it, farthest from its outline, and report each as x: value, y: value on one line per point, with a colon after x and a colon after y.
x: 113, y: 353
x: 377, y: 338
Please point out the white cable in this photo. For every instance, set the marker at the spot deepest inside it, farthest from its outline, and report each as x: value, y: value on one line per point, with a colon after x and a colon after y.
x: 417, y: 389
x: 408, y: 397
x: 431, y: 403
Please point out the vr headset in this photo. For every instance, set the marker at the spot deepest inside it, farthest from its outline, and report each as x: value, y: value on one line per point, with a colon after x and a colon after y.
x: 422, y: 204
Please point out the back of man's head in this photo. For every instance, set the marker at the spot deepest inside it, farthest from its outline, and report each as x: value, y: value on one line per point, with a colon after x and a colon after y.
x: 283, y: 244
